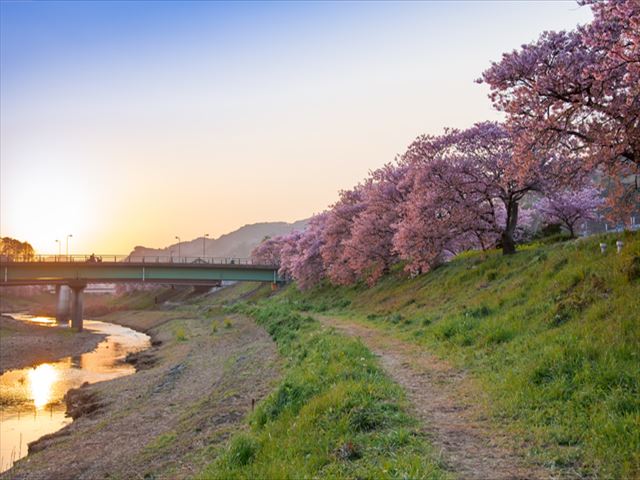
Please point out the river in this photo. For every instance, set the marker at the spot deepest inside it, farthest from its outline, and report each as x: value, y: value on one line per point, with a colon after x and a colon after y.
x: 31, y: 399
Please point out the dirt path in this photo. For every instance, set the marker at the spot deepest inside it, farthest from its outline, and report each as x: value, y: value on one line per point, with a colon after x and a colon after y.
x: 446, y: 404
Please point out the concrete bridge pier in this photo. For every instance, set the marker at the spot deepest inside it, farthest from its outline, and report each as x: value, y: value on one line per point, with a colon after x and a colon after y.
x: 77, y: 304
x: 63, y: 303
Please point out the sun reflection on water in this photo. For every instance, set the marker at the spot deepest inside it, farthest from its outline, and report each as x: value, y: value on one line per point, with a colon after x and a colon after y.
x: 41, y: 381
x: 40, y: 391
x: 43, y: 320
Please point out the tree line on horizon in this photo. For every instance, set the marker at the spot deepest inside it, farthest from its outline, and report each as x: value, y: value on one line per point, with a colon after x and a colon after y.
x: 13, y: 249
x: 570, y: 143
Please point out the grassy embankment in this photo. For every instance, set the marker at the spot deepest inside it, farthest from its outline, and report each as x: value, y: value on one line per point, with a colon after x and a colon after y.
x: 335, y: 414
x: 552, y: 334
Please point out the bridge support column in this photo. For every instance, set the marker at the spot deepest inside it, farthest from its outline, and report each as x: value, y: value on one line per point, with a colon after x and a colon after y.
x: 77, y: 304
x: 63, y: 303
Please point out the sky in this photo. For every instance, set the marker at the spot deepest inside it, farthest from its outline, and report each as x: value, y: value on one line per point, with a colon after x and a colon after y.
x: 131, y: 123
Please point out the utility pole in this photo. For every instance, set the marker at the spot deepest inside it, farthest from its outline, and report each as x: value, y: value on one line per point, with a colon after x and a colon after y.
x: 178, y: 238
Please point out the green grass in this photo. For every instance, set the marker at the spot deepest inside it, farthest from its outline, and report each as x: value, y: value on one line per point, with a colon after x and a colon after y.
x: 180, y: 334
x: 161, y: 442
x: 334, y: 415
x: 552, y: 333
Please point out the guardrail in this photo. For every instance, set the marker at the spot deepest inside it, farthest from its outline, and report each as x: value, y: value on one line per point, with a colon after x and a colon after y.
x: 93, y: 258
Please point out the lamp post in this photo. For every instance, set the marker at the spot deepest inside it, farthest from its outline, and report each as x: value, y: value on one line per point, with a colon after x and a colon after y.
x: 59, y: 250
x: 203, y: 244
x: 178, y: 238
x: 68, y: 237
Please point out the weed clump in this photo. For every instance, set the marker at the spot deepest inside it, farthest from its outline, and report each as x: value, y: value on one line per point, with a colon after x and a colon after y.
x: 426, y: 321
x: 180, y: 334
x: 349, y: 451
x: 479, y: 312
x: 242, y: 450
x: 162, y: 442
x: 629, y: 262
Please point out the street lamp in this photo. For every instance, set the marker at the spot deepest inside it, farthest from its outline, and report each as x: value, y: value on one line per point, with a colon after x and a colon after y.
x: 178, y: 238
x: 203, y: 244
x: 59, y: 248
x: 68, y: 237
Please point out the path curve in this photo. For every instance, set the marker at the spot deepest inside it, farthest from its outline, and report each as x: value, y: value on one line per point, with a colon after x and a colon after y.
x: 447, y: 407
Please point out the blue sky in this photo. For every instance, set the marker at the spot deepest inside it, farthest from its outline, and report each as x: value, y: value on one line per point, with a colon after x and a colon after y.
x: 156, y: 119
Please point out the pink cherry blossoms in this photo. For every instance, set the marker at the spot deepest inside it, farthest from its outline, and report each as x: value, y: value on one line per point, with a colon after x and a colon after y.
x: 568, y: 208
x: 571, y: 138
x: 572, y: 99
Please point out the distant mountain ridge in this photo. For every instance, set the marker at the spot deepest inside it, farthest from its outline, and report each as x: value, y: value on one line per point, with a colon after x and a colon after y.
x: 236, y: 244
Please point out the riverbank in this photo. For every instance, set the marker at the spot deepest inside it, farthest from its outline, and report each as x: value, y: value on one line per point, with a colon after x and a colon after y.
x: 194, y: 386
x: 23, y: 344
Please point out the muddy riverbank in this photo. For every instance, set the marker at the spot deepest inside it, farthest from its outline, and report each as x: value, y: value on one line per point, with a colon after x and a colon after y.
x: 192, y: 390
x: 32, y: 399
x: 26, y: 344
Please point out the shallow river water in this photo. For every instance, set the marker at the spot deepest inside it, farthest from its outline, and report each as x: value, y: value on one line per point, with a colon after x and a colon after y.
x: 31, y: 402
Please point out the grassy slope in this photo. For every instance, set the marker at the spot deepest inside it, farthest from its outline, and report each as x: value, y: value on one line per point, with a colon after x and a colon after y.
x: 552, y: 334
x: 335, y: 414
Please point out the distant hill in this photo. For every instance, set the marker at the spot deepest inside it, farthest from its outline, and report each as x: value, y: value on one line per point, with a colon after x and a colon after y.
x: 237, y: 244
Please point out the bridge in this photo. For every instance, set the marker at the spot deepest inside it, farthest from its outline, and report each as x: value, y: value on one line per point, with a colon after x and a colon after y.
x: 72, y: 273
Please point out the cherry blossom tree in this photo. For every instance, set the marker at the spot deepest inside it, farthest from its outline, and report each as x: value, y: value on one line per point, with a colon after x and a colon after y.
x: 493, y: 178
x: 568, y: 208
x: 572, y: 99
x: 289, y: 253
x: 307, y: 266
x: 464, y: 192
x: 337, y: 233
x: 438, y: 221
x: 267, y: 252
x: 370, y: 249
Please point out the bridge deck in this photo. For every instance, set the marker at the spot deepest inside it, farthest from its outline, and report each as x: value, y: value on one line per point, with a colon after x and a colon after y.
x: 196, y: 273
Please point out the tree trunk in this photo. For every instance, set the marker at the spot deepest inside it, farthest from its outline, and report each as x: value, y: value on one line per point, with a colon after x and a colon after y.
x: 508, y: 243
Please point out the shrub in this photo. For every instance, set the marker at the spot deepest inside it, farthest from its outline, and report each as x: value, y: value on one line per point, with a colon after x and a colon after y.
x: 242, y: 450
x: 180, y: 334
